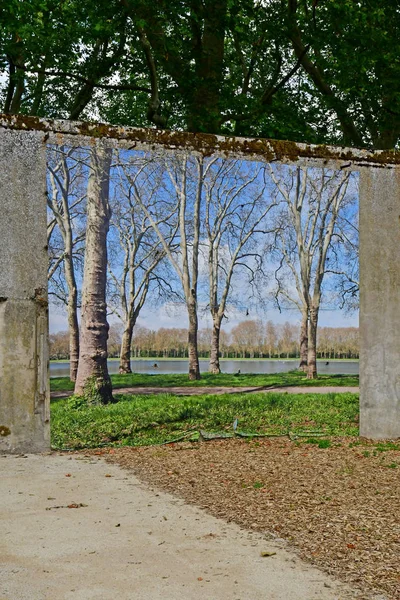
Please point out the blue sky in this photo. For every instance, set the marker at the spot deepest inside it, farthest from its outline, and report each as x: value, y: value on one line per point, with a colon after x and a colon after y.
x: 170, y: 315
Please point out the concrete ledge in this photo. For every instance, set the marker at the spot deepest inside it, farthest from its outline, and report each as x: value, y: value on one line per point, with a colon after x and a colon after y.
x: 60, y: 131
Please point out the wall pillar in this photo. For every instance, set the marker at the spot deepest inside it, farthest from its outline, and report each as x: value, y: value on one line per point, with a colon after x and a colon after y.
x: 380, y: 302
x: 24, y: 387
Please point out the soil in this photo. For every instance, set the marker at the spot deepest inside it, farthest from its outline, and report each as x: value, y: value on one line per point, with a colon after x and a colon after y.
x: 339, y: 507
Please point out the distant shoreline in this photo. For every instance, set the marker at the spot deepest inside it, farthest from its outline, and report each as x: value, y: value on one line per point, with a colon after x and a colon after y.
x: 155, y: 359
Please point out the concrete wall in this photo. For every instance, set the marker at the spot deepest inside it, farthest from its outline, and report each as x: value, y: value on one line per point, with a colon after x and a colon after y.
x: 24, y: 393
x: 380, y: 303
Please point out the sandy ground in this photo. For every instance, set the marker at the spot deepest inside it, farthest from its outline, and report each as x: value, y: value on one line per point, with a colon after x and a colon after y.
x: 75, y: 527
x: 196, y: 391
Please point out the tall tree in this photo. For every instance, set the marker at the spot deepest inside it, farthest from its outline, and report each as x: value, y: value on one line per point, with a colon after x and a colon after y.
x: 225, y: 63
x: 352, y: 65
x: 310, y: 71
x: 248, y: 337
x: 271, y: 338
x: 66, y: 194
x: 142, y: 250
x: 313, y: 199
x: 93, y: 381
x: 236, y: 208
x: 200, y: 66
x: 181, y: 193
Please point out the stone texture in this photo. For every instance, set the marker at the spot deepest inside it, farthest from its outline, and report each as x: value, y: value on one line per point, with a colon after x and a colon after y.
x: 24, y: 390
x: 380, y: 303
x: 24, y: 395
x: 78, y: 133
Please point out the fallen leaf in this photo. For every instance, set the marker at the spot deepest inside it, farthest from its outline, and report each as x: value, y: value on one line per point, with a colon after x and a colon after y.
x: 263, y: 554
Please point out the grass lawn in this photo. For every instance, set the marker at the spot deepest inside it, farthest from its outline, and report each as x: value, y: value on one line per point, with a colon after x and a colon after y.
x: 146, y: 420
x: 210, y: 380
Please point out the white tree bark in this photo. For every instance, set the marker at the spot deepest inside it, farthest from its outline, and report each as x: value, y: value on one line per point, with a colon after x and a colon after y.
x: 64, y: 199
x: 142, y: 252
x: 236, y: 210
x: 313, y: 201
x: 93, y: 380
x: 186, y: 261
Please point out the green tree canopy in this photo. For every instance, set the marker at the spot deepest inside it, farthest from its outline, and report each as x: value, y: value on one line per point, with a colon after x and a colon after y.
x: 311, y: 70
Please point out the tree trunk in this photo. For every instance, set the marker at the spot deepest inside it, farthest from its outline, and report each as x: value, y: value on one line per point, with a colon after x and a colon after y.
x: 214, y: 366
x: 304, y: 344
x: 73, y: 328
x: 93, y: 381
x: 72, y: 308
x: 312, y: 344
x: 204, y: 105
x: 194, y: 368
x: 125, y: 355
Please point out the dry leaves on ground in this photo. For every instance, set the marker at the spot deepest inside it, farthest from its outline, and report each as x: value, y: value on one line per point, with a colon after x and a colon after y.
x: 339, y: 506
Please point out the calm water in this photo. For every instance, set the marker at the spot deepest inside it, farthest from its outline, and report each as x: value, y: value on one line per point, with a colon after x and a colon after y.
x: 61, y: 369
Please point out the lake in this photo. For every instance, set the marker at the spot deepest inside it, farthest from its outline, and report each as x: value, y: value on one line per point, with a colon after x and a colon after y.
x: 348, y: 367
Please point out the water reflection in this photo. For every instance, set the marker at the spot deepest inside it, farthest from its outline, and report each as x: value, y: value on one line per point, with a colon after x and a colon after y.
x: 61, y: 369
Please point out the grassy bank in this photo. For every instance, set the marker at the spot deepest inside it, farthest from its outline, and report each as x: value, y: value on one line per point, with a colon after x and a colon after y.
x: 210, y: 380
x: 236, y: 358
x: 146, y: 420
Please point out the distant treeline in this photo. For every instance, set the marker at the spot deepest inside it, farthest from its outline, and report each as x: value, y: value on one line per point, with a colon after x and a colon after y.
x: 249, y: 339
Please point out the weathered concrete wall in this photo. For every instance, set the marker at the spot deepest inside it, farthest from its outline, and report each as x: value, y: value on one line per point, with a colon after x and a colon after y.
x: 77, y: 133
x: 24, y: 396
x: 24, y: 390
x: 380, y: 303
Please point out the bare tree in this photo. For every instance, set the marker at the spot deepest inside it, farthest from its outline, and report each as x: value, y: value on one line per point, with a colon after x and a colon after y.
x: 141, y: 248
x: 338, y: 342
x: 287, y: 339
x: 345, y: 265
x: 248, y: 337
x: 65, y: 198
x: 59, y: 345
x: 312, y: 199
x: 143, y: 340
x: 182, y: 191
x: 93, y: 380
x: 271, y: 338
x: 236, y: 210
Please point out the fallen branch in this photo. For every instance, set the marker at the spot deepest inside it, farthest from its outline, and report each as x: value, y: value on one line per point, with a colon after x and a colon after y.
x: 208, y: 436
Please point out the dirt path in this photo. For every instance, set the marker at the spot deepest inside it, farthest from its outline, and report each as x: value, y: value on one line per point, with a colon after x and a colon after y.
x: 74, y: 527
x: 196, y: 391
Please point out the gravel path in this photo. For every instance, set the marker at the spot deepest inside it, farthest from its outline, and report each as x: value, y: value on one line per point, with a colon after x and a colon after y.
x: 75, y: 527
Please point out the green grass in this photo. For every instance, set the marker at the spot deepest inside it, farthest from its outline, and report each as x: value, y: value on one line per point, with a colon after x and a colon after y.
x: 210, y: 380
x: 146, y: 420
